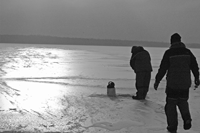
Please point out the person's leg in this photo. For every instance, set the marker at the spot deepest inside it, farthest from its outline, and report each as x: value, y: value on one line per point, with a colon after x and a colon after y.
x: 146, y: 83
x: 171, y: 114
x: 185, y: 113
x: 139, y: 94
x: 140, y: 80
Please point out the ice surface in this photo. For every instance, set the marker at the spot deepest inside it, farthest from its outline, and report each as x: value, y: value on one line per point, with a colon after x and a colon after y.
x: 62, y: 88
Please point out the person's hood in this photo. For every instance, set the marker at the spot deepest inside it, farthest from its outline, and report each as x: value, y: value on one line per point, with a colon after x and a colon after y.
x: 136, y: 49
x: 177, y: 45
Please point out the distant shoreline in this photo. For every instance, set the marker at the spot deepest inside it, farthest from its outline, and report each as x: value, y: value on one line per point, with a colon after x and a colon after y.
x: 83, y: 45
x: 34, y: 39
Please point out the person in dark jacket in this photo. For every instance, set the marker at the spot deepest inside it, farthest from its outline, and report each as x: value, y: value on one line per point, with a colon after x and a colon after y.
x: 140, y: 62
x: 177, y: 63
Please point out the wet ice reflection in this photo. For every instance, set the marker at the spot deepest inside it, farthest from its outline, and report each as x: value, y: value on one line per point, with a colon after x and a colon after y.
x: 24, y: 73
x: 35, y: 97
x: 38, y: 62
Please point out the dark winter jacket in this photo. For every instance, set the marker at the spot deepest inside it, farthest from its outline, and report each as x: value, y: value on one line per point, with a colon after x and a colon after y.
x: 140, y: 60
x: 177, y: 63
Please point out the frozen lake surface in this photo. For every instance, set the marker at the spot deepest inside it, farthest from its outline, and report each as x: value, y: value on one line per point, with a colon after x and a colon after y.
x: 62, y: 88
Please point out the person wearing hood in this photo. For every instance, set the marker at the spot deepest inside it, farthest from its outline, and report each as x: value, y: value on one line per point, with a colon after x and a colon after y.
x: 140, y: 62
x: 177, y: 63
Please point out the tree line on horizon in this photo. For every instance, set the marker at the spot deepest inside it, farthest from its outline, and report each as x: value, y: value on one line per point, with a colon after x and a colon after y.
x: 39, y: 39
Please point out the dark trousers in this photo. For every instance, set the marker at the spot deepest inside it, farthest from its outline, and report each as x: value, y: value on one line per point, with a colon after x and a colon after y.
x: 142, y: 83
x: 171, y: 111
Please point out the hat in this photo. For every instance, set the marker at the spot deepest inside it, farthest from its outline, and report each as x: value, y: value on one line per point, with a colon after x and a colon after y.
x: 175, y: 38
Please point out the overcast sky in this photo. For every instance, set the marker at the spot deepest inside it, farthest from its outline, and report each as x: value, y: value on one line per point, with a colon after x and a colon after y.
x: 146, y: 20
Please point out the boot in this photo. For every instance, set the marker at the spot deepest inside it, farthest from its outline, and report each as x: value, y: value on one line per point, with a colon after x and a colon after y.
x: 187, y: 125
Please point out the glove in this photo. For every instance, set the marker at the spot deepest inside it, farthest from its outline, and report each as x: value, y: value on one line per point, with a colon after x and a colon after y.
x: 197, y: 82
x: 156, y: 85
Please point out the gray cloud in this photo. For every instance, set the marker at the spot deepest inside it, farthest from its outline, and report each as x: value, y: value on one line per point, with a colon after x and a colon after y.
x: 151, y: 20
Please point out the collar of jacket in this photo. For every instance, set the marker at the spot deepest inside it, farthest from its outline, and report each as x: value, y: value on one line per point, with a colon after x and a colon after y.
x: 177, y: 45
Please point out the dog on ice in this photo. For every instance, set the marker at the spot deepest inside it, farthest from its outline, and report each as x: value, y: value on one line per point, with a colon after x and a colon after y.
x: 111, y: 89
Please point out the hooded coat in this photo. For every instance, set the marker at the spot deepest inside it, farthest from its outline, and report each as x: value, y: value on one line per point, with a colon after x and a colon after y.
x: 140, y: 60
x: 177, y: 63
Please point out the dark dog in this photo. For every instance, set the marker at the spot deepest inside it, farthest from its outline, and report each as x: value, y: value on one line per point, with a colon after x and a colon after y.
x: 111, y: 89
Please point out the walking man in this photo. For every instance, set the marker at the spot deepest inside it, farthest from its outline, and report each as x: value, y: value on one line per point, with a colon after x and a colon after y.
x: 140, y: 62
x: 177, y: 63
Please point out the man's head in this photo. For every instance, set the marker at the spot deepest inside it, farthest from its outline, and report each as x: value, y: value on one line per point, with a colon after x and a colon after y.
x: 175, y: 38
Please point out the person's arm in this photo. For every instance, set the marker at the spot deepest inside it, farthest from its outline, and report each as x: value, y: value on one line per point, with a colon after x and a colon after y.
x: 163, y: 68
x: 194, y: 68
x: 132, y: 61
